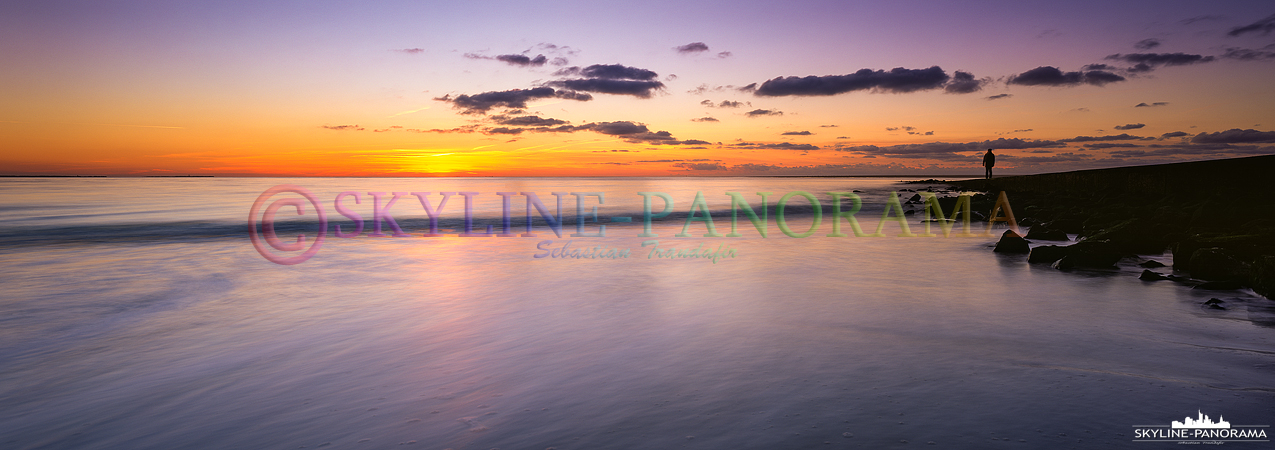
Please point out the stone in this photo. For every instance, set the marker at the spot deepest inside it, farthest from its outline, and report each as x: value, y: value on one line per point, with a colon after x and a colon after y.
x: 1043, y: 232
x: 1011, y: 242
x: 1090, y: 255
x: 1215, y: 264
x: 1046, y: 254
x: 1148, y: 275
x: 1151, y: 264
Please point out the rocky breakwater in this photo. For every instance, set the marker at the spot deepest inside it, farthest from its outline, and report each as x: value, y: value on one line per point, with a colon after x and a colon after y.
x: 1216, y: 217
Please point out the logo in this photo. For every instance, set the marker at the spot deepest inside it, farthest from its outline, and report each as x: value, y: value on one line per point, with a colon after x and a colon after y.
x: 1200, y: 430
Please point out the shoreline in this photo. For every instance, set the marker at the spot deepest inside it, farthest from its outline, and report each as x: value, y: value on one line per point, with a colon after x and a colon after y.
x: 1210, y: 214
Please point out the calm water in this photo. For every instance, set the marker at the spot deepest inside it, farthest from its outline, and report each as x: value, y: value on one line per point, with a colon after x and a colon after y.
x: 136, y: 314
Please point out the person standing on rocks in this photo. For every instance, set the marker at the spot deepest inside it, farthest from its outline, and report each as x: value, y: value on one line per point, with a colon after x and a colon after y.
x: 989, y: 160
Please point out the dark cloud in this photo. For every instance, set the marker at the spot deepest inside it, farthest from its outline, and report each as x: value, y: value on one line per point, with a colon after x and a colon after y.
x: 1264, y: 26
x: 343, y: 127
x: 1235, y: 136
x: 999, y: 96
x: 1117, y: 137
x: 527, y: 121
x: 1146, y: 61
x: 513, y: 98
x: 701, y: 166
x: 705, y: 119
x: 751, y: 87
x: 724, y: 55
x: 1174, y: 134
x: 1147, y: 44
x: 1051, y: 76
x: 1199, y: 19
x: 617, y: 72
x: 411, y: 51
x: 898, y: 80
x: 1131, y: 126
x: 733, y: 104
x: 1103, y: 145
x: 1099, y: 66
x: 774, y: 146
x: 947, y: 151
x: 1146, y: 105
x: 1244, y: 54
x: 964, y: 83
x: 523, y: 60
x: 640, y: 89
x: 763, y: 112
x: 694, y: 47
x: 504, y: 130
x: 827, y: 126
x: 796, y: 133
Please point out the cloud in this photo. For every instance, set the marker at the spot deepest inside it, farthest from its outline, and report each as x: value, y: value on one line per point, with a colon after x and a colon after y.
x: 1174, y: 134
x: 1103, y: 145
x: 723, y: 55
x: 610, y: 79
x: 1147, y: 44
x: 1244, y: 54
x: 523, y: 60
x: 1235, y: 136
x: 763, y: 112
x: 1264, y: 26
x: 1146, y: 61
x: 1131, y: 126
x: 1099, y: 66
x: 504, y: 130
x: 616, y: 72
x: 1145, y: 105
x: 705, y: 119
x: 694, y: 47
x: 999, y: 96
x: 1051, y: 76
x: 898, y: 80
x: 827, y: 126
x: 1117, y: 137
x: 775, y: 146
x: 701, y: 166
x: 796, y: 133
x: 513, y: 98
x: 1199, y: 19
x: 343, y: 127
x: 527, y: 121
x: 640, y: 89
x: 964, y: 83
x: 411, y: 51
x: 947, y: 151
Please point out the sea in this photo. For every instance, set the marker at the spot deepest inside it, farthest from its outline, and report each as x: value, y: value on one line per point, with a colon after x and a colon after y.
x: 162, y: 313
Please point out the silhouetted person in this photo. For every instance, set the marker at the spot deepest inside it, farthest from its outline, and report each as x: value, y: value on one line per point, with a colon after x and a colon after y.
x: 989, y: 160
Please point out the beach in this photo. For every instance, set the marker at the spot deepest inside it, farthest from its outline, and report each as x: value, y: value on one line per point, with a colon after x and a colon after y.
x: 145, y: 318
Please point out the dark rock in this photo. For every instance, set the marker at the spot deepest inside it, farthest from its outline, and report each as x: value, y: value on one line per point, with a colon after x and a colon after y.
x: 1011, y: 242
x: 1091, y: 255
x: 1215, y: 264
x: 1214, y: 301
x: 1067, y: 225
x: 1262, y: 276
x: 1133, y: 235
x: 916, y: 198
x: 1148, y: 275
x: 1046, y: 254
x: 1151, y: 264
x: 1043, y: 232
x: 1219, y: 286
x: 909, y: 212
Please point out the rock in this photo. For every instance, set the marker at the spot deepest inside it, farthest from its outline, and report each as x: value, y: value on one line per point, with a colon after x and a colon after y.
x: 1215, y: 264
x: 1262, y: 276
x: 1046, y: 254
x: 1067, y: 225
x: 1134, y: 236
x: 1011, y: 242
x: 1090, y: 255
x: 1148, y: 275
x: 1151, y: 264
x: 916, y: 198
x: 1214, y: 303
x: 1043, y: 232
x: 1219, y: 286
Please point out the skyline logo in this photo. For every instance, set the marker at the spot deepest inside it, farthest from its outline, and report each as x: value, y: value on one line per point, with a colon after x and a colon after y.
x: 1200, y: 430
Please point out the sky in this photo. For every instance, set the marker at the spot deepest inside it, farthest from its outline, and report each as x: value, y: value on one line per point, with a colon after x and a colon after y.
x: 653, y: 88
